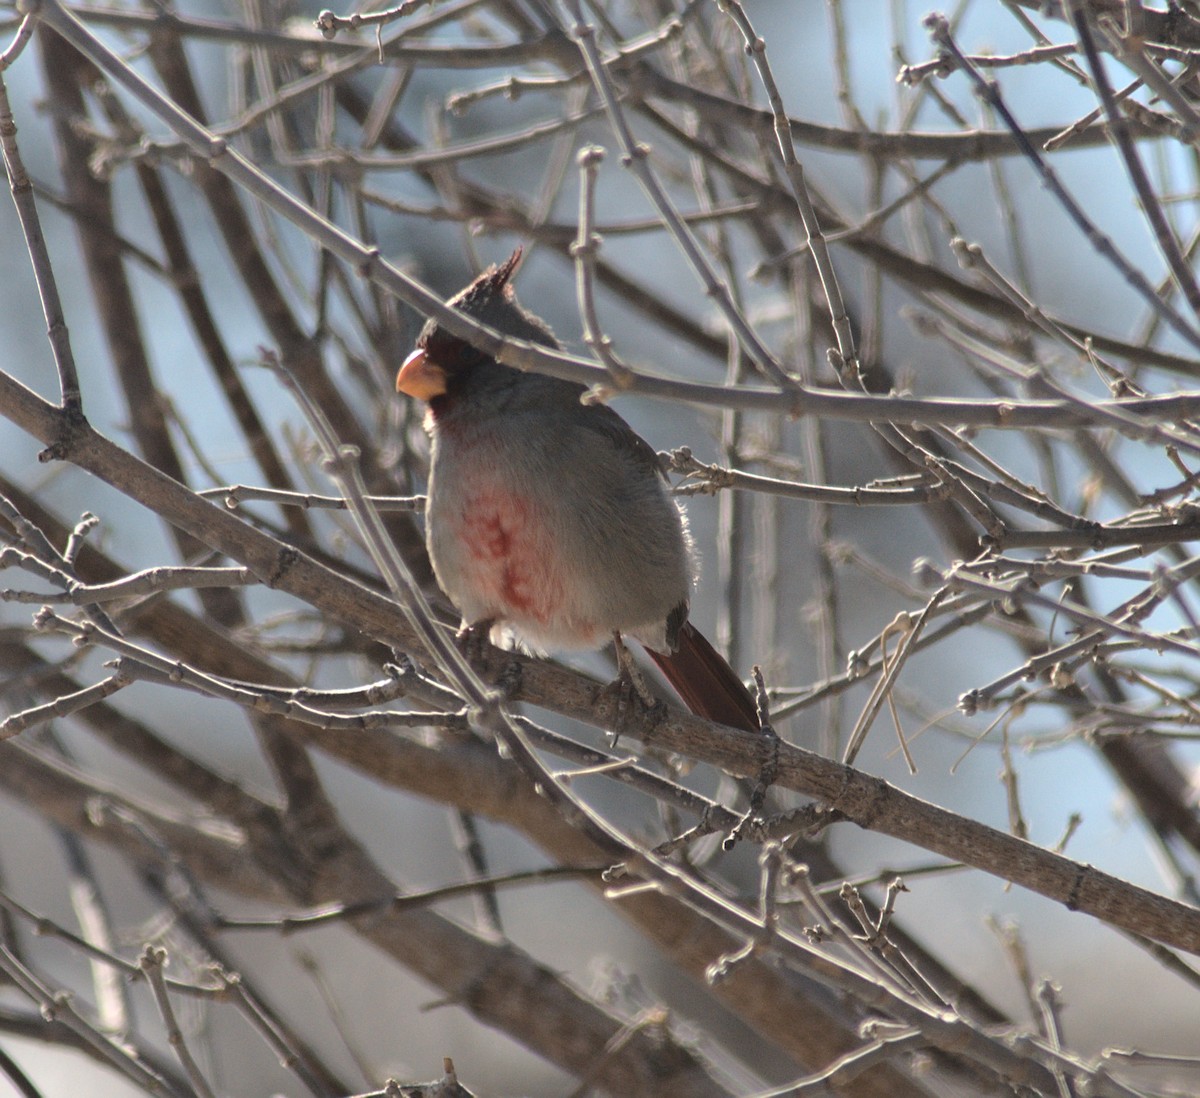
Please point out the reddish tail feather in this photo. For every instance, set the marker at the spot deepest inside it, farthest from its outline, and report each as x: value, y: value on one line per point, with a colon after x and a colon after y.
x: 706, y: 683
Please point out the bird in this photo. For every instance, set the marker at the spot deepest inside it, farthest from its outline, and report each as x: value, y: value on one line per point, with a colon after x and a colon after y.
x: 549, y: 519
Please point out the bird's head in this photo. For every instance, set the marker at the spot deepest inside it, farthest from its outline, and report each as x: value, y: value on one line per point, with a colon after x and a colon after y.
x: 443, y: 364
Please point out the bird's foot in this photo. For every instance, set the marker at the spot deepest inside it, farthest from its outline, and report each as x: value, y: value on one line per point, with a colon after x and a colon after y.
x: 508, y: 681
x: 472, y: 640
x: 635, y: 701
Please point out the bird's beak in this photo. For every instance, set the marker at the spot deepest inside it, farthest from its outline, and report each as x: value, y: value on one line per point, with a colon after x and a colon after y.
x: 420, y: 378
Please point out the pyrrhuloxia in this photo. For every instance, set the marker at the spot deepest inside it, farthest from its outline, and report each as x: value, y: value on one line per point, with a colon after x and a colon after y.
x: 550, y: 516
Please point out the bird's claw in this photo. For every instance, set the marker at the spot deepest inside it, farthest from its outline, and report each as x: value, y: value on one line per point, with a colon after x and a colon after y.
x: 632, y: 693
x: 472, y: 641
x: 634, y: 711
x: 508, y: 681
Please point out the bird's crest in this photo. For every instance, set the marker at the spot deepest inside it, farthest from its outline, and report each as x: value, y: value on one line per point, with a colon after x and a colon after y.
x: 489, y: 288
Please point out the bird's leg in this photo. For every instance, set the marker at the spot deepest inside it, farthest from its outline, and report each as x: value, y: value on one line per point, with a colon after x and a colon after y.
x: 630, y: 684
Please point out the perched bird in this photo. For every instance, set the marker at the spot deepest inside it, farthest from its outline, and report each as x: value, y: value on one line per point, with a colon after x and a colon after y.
x: 551, y: 517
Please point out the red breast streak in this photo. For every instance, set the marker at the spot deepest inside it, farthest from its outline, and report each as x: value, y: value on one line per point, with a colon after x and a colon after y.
x: 503, y: 560
x: 511, y: 563
x: 505, y: 564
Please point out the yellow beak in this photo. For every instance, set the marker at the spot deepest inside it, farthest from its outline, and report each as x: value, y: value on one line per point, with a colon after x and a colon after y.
x: 420, y: 378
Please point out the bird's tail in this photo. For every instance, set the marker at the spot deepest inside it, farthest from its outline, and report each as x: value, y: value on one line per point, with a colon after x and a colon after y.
x: 706, y: 683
